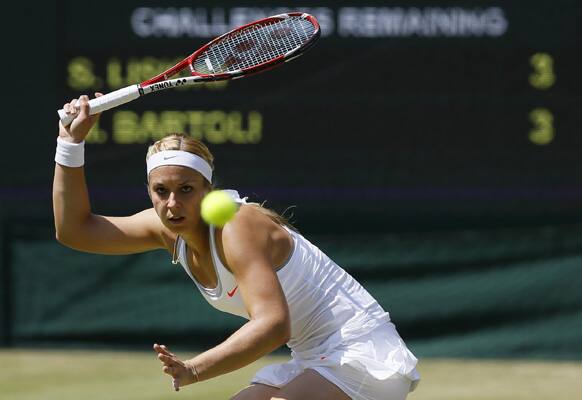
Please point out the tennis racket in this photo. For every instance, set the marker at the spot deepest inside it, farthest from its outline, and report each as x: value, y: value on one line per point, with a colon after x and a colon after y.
x: 249, y: 49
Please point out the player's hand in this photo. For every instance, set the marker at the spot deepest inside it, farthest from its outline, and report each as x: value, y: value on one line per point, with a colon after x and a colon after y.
x: 78, y: 130
x: 181, y: 373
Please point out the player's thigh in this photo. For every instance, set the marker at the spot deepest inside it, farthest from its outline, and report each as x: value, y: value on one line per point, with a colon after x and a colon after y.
x: 310, y: 385
x: 256, y: 391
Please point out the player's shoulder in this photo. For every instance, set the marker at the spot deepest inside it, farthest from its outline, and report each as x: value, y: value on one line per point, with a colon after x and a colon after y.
x: 148, y: 218
x: 148, y: 213
x: 151, y: 221
x: 246, y: 237
x: 248, y: 225
x: 249, y: 218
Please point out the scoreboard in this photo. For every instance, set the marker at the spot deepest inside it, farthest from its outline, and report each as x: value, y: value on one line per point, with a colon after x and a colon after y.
x: 404, y: 115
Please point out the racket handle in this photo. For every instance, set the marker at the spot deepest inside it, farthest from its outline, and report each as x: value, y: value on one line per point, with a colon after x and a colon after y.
x: 105, y: 102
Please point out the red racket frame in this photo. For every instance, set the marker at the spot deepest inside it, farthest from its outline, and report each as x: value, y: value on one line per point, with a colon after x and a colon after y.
x: 182, y: 65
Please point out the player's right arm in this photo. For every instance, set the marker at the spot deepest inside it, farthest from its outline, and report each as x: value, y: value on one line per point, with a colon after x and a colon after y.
x: 76, y: 226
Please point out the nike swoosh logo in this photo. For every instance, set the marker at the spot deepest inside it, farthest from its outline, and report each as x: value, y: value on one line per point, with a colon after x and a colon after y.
x: 232, y: 292
x: 167, y: 158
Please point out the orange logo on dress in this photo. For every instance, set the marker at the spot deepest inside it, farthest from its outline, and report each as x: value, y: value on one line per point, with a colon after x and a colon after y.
x: 232, y: 292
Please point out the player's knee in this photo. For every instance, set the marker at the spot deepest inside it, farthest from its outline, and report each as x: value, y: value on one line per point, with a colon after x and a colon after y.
x: 255, y: 392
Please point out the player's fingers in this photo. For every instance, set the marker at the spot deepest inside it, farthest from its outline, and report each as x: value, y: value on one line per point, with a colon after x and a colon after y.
x: 167, y: 359
x: 161, y: 349
x: 73, y: 110
x: 73, y: 104
x: 95, y: 117
x: 83, y: 105
x: 176, y: 384
x: 70, y: 107
x: 168, y: 351
x: 170, y: 371
x: 82, y: 101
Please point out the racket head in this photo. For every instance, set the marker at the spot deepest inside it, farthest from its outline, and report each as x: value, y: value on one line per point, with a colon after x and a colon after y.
x: 256, y: 47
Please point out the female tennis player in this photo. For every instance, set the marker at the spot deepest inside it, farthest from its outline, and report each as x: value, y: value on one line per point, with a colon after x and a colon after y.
x: 257, y: 266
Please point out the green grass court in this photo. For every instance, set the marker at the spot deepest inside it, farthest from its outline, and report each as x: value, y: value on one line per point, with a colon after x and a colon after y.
x: 88, y: 375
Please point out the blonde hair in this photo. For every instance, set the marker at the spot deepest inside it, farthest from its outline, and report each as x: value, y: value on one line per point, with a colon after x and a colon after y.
x: 181, y: 141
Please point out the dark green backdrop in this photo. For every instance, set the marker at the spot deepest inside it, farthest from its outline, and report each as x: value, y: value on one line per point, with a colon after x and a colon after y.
x: 505, y: 292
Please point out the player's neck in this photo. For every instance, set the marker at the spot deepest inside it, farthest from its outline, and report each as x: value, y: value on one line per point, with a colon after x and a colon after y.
x: 197, y: 240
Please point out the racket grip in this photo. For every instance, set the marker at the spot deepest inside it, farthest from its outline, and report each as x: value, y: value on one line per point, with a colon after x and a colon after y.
x: 105, y: 102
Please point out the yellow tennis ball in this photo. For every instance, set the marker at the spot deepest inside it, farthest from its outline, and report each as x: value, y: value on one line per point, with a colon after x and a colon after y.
x: 217, y: 208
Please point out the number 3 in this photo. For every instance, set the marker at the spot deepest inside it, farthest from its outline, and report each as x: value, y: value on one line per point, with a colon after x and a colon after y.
x: 543, y: 130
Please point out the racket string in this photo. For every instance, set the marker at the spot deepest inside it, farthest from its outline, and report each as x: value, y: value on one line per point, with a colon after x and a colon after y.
x: 254, y: 46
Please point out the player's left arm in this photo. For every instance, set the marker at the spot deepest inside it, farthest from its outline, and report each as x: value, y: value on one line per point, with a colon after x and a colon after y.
x: 246, y: 243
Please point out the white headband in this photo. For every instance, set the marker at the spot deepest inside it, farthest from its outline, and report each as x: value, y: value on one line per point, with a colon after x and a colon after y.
x: 182, y: 158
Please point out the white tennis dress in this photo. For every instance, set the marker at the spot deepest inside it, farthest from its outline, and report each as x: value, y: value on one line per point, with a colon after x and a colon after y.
x: 335, y: 322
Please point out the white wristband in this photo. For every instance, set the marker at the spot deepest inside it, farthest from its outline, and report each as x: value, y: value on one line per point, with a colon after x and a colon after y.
x: 70, y: 154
